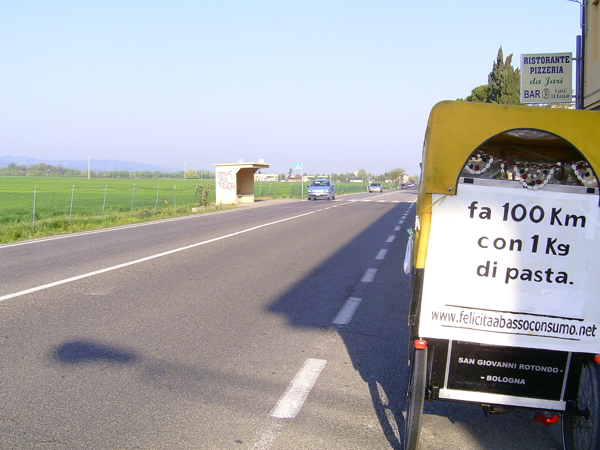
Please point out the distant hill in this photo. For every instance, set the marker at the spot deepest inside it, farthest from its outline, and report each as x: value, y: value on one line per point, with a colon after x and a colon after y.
x: 100, y: 165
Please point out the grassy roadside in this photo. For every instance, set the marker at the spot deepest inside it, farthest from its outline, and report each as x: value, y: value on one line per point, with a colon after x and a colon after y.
x: 14, y: 232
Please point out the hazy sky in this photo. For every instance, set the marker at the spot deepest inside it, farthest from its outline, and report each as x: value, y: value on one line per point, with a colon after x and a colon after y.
x: 337, y: 85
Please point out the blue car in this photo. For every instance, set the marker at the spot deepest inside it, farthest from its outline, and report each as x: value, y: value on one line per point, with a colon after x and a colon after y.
x: 321, y: 188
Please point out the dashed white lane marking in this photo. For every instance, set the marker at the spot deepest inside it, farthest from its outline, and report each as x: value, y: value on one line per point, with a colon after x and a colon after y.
x: 396, y: 228
x: 147, y: 258
x: 367, y: 200
x: 381, y: 254
x: 400, y: 222
x: 369, y: 275
x: 296, y: 393
x: 268, y: 435
x: 391, y: 238
x: 347, y: 311
x: 396, y: 201
x: 289, y: 403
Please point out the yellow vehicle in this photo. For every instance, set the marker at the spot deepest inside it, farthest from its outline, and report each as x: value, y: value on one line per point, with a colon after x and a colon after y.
x: 505, y: 307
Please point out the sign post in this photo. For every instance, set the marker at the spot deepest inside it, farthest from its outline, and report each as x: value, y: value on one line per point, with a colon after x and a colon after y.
x: 300, y: 166
x: 546, y: 78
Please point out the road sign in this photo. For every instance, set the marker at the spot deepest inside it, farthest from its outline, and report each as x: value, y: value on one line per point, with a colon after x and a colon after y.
x: 298, y: 166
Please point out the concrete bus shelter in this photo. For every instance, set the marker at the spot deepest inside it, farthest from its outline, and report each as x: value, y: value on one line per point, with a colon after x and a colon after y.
x: 235, y: 182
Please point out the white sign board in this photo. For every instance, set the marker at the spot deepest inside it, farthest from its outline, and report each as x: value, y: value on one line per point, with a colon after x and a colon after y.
x: 546, y: 78
x: 513, y: 267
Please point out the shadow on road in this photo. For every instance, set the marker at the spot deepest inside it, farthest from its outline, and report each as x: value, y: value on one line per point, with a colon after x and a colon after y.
x: 77, y: 352
x: 377, y: 342
x: 376, y: 338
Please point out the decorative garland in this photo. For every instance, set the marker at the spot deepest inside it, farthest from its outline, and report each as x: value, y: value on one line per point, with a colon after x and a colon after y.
x: 587, y: 173
x: 533, y: 176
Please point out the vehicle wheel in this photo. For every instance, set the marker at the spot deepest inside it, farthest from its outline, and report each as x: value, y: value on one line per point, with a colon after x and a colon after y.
x: 581, y: 430
x: 415, y: 399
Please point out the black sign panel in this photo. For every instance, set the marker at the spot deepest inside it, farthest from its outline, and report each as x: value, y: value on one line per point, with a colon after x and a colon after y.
x: 521, y: 372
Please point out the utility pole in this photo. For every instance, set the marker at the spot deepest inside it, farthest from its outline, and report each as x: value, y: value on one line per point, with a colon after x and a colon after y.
x: 89, y: 168
x: 580, y: 56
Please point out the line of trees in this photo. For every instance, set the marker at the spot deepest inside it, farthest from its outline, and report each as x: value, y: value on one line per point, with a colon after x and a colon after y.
x: 363, y: 175
x: 46, y: 170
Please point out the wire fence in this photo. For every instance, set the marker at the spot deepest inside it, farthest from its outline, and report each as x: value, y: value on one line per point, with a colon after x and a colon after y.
x: 27, y: 201
x: 40, y: 203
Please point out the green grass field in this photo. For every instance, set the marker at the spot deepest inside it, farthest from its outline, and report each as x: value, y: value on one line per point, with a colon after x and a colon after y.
x: 63, y: 205
x: 56, y: 197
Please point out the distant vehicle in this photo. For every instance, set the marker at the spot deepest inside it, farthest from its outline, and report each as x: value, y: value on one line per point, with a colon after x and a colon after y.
x: 375, y: 187
x: 321, y: 188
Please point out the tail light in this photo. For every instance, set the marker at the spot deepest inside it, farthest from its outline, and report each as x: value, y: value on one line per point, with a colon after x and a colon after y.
x: 546, y: 418
x: 420, y: 344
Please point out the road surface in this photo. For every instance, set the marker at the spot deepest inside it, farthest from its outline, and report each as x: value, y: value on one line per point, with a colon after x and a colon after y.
x: 279, y: 326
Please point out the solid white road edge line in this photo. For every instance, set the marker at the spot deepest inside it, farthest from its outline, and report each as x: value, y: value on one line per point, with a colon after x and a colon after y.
x: 296, y: 393
x: 347, y: 311
x: 147, y: 258
x: 121, y: 227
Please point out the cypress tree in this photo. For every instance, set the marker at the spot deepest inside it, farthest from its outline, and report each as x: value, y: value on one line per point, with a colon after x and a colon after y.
x: 504, y: 81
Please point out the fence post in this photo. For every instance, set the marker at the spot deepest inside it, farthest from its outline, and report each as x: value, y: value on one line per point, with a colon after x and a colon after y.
x: 156, y: 202
x: 34, y: 207
x: 174, y: 198
x: 104, y: 203
x: 195, y: 192
x: 71, y: 207
x: 133, y: 199
x: 270, y: 184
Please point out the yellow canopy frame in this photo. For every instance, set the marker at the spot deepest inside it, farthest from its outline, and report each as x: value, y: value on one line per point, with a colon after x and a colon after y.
x: 455, y: 129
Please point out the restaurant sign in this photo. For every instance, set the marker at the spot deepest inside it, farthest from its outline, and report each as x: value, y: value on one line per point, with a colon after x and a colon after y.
x: 546, y: 78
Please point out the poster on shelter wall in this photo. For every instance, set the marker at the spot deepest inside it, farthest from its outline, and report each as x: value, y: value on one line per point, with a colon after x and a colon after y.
x: 513, y: 267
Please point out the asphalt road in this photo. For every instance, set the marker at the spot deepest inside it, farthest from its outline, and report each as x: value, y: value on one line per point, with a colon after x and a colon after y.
x: 280, y: 326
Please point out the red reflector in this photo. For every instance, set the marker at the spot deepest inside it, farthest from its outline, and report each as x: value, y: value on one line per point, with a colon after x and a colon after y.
x: 420, y: 344
x: 597, y: 359
x: 547, y: 418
